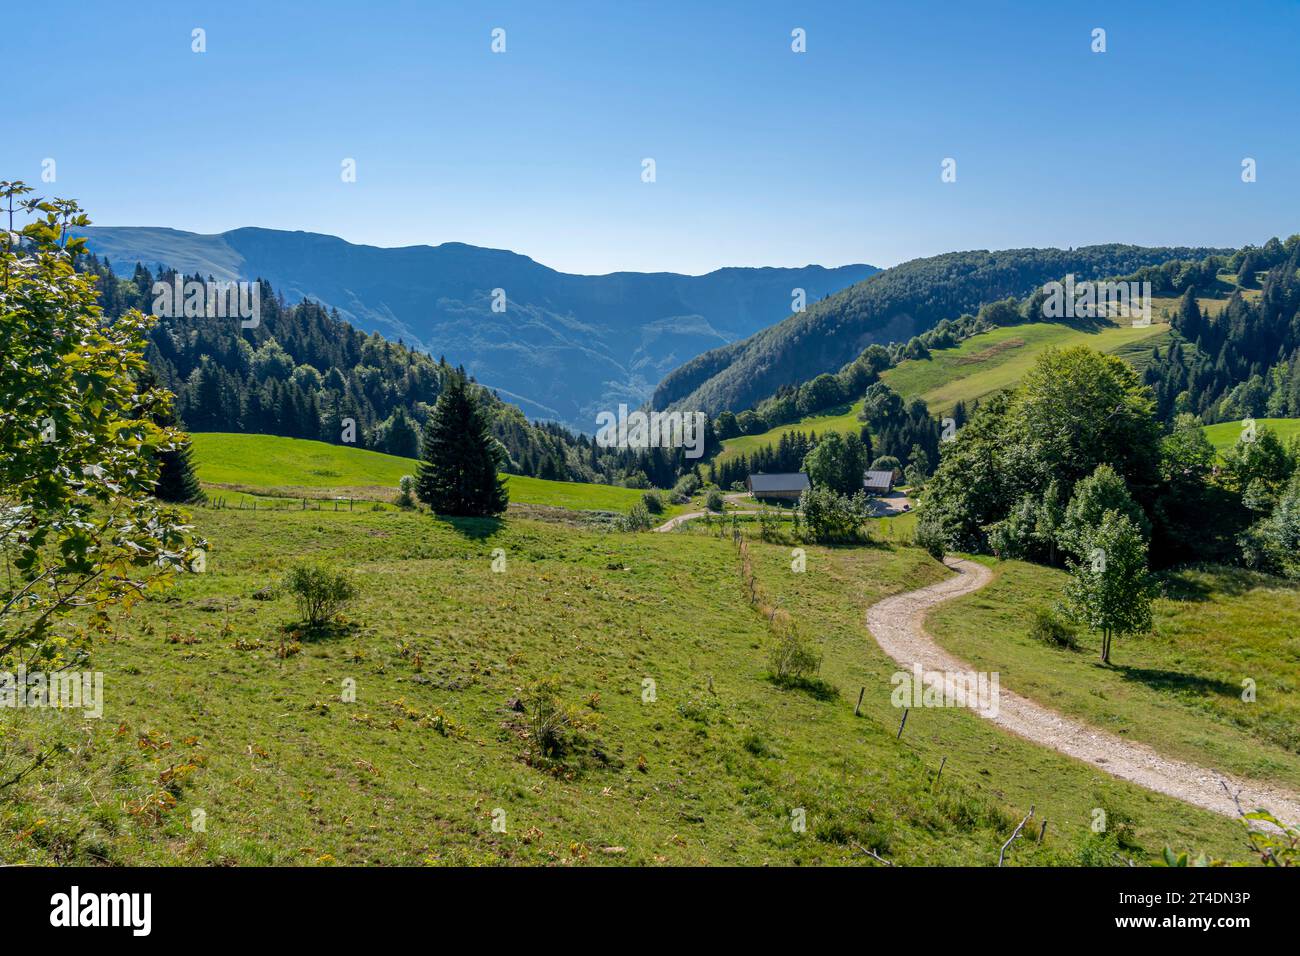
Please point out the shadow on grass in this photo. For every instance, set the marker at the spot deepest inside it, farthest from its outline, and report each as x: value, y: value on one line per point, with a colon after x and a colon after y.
x: 310, y: 633
x: 813, y: 686
x: 475, y: 529
x: 1204, y: 582
x: 1177, y: 681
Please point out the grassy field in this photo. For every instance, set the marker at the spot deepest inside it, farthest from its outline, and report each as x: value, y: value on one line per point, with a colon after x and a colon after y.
x: 997, y: 359
x: 267, y: 466
x: 1180, y: 688
x: 981, y: 365
x: 1225, y: 434
x: 219, y: 708
x: 843, y: 419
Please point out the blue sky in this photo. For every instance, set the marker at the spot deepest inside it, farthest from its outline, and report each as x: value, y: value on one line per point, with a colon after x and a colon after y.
x: 763, y: 156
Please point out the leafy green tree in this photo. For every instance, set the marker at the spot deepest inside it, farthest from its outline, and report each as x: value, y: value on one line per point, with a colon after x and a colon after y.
x: 822, y: 392
x: 830, y: 518
x: 1076, y: 409
x: 80, y: 527
x: 838, y: 462
x: 918, y: 468
x: 1110, y: 589
x: 1187, y: 495
x: 1272, y: 544
x: 725, y: 425
x: 1258, y: 469
x: 398, y: 436
x: 750, y: 423
x: 459, y: 473
x: 1102, y: 491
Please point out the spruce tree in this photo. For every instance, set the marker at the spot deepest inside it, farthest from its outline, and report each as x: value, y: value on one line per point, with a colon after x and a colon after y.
x: 177, y: 481
x: 461, y: 457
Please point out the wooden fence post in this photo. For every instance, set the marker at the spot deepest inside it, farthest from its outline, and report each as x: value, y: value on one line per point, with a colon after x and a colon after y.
x: 858, y: 708
x: 902, y: 723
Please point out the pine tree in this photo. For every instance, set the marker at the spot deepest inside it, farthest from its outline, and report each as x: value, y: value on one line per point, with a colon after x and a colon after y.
x: 177, y: 481
x: 461, y: 458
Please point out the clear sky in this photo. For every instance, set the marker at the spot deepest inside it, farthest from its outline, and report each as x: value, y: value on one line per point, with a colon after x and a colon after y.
x: 763, y: 156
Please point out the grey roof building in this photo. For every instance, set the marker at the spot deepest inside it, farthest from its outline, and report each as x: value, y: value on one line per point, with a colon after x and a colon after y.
x: 878, y: 482
x: 787, y: 485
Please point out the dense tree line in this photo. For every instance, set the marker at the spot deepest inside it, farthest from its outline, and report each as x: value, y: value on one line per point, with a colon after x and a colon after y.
x: 1036, y: 468
x: 1243, y: 362
x: 786, y: 456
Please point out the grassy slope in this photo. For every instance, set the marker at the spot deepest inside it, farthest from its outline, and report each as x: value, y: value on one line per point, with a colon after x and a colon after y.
x: 1178, y: 689
x: 831, y: 597
x: 997, y: 359
x: 294, y: 467
x: 982, y: 364
x: 843, y: 419
x: 1225, y: 434
x: 200, y: 706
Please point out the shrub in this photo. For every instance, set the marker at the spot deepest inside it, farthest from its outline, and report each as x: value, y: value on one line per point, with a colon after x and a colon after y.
x: 929, y: 535
x: 1050, y: 629
x: 654, y: 502
x: 320, y: 592
x: 793, y: 657
x: 556, y: 728
x: 405, y: 492
x: 685, y: 488
x: 638, y: 519
x: 715, y: 501
x: 830, y: 518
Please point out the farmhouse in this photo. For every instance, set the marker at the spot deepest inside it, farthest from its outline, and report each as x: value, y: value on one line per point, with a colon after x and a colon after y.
x: 878, y: 482
x: 786, y: 487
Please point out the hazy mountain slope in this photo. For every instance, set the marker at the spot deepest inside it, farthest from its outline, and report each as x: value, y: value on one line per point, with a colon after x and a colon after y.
x: 893, y: 305
x: 566, y: 346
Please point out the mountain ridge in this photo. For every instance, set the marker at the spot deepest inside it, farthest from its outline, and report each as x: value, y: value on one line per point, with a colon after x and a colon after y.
x: 566, y: 347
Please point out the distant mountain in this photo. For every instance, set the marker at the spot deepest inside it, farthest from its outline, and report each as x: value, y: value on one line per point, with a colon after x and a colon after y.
x: 891, y: 306
x: 566, y: 346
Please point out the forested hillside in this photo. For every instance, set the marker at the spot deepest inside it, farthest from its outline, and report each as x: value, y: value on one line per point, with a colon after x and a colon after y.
x: 892, y: 306
x: 563, y: 347
x: 302, y: 372
x: 1245, y: 361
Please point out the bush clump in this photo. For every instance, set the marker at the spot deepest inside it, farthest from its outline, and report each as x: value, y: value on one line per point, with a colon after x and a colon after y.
x: 320, y: 592
x: 405, y: 492
x: 637, y: 519
x: 794, y: 661
x: 1050, y: 629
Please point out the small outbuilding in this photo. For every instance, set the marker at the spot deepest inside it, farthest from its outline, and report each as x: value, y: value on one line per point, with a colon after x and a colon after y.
x: 878, y: 482
x: 783, y: 487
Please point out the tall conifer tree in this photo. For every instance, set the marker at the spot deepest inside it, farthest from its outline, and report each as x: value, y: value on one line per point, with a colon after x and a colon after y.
x: 461, y: 457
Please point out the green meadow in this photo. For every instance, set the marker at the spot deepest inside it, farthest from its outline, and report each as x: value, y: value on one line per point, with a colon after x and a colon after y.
x: 997, y: 359
x: 1225, y: 434
x: 269, y: 467
x: 403, y: 733
x: 1179, y: 689
x: 844, y: 419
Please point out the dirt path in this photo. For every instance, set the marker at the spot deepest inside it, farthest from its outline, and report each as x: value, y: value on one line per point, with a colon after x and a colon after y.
x: 733, y: 499
x: 897, y: 624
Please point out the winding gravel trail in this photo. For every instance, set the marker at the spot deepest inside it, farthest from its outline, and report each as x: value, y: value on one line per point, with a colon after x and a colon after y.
x: 897, y: 624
